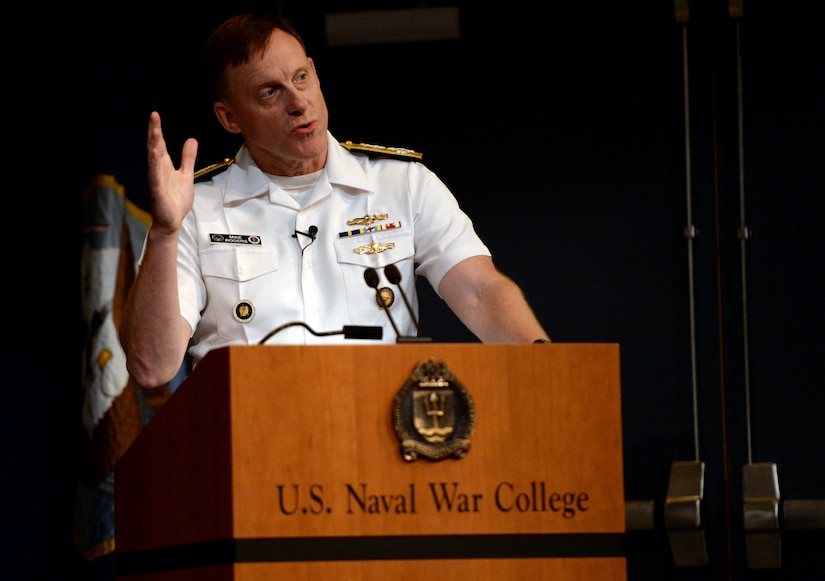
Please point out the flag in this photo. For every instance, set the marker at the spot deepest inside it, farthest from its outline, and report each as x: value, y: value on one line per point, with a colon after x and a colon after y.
x: 114, y: 409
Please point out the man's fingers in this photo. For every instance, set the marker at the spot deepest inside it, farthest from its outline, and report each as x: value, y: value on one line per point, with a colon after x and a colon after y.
x: 188, y: 156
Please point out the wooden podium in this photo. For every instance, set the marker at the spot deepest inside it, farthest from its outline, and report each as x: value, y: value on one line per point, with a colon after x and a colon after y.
x: 285, y: 462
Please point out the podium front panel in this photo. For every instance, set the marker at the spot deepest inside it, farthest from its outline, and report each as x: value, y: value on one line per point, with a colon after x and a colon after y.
x: 288, y: 456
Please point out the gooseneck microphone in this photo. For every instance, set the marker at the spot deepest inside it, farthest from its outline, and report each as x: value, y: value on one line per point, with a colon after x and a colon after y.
x: 349, y: 331
x: 394, y: 276
x: 371, y: 276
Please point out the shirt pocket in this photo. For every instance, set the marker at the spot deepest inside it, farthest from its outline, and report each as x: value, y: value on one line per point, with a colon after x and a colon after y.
x: 233, y: 275
x: 356, y: 254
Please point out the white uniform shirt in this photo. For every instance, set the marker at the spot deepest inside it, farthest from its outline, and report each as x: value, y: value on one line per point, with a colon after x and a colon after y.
x: 242, y: 273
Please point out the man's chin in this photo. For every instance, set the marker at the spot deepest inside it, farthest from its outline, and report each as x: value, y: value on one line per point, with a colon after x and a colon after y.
x: 311, y: 144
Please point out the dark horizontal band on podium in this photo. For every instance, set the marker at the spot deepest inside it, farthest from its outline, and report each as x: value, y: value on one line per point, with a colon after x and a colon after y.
x: 367, y: 548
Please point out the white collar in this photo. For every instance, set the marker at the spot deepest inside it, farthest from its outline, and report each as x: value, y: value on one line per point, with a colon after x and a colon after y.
x: 244, y: 180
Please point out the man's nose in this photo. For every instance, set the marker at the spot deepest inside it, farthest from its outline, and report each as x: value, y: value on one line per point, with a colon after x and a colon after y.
x: 297, y: 102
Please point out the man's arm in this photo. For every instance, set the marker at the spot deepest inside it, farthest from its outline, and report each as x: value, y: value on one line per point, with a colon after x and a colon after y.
x: 489, y: 303
x: 153, y: 333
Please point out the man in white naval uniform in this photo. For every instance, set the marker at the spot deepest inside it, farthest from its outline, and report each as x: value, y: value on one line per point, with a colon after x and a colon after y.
x: 286, y: 232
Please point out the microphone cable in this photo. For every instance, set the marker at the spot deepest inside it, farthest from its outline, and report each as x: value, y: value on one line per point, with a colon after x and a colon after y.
x: 348, y: 331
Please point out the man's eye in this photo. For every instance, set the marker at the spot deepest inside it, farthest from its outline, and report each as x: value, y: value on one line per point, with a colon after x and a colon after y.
x: 301, y: 78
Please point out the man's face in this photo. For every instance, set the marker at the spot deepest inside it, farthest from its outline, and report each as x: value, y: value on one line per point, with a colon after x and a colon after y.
x: 275, y: 102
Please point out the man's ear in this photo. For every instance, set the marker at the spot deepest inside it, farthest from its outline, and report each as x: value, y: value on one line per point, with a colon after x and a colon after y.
x: 312, y: 66
x: 224, y: 115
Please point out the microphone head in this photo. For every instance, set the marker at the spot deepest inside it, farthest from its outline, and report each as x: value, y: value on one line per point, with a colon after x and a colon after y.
x: 363, y: 332
x: 313, y: 230
x: 371, y: 277
x: 392, y: 273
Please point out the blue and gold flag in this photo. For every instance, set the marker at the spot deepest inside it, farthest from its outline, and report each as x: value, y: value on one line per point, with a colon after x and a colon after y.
x: 114, y: 409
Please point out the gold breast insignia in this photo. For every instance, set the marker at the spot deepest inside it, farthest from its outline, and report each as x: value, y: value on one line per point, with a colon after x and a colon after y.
x: 375, y: 248
x: 367, y: 220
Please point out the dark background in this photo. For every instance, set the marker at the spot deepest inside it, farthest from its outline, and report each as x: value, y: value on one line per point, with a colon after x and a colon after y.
x: 562, y: 131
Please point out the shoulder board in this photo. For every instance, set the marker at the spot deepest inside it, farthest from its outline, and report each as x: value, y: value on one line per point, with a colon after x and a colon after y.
x: 382, y: 151
x: 210, y: 169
